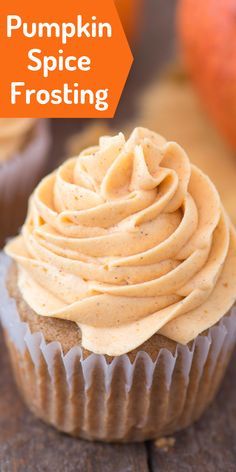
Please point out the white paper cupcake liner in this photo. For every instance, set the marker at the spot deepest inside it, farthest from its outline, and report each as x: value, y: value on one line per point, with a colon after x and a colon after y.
x: 118, y: 400
x: 18, y: 178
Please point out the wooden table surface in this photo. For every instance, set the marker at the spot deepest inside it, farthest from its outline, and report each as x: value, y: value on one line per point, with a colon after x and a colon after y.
x: 26, y: 444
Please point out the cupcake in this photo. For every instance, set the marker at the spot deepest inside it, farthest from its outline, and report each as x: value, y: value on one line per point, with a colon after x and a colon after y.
x: 24, y: 143
x: 117, y: 297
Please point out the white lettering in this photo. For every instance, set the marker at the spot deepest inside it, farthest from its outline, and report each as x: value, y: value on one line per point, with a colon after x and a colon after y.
x: 14, y: 22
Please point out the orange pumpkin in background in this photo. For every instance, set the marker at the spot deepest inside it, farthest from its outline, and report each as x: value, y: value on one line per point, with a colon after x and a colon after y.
x: 130, y: 11
x: 207, y: 31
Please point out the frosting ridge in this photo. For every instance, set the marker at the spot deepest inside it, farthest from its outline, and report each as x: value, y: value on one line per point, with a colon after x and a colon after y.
x: 127, y: 240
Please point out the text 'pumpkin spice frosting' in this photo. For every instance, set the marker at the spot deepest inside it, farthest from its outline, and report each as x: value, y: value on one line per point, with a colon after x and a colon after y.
x: 127, y: 240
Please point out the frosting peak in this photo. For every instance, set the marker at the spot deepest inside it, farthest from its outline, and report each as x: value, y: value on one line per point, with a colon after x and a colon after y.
x: 127, y: 240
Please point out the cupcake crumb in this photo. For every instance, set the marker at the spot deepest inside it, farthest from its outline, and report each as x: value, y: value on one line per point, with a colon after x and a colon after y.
x: 164, y: 444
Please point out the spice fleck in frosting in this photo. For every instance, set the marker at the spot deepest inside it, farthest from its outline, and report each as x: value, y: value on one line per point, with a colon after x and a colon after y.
x: 128, y: 240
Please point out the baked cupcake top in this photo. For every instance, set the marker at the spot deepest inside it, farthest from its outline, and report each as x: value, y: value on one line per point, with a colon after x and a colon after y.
x: 13, y: 133
x: 127, y: 240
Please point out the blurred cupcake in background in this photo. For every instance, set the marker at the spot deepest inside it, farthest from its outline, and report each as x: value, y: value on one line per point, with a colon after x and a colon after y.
x: 24, y: 145
x: 13, y: 134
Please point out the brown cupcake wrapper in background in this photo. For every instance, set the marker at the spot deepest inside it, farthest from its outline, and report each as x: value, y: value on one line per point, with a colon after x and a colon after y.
x: 116, y: 401
x: 18, y: 178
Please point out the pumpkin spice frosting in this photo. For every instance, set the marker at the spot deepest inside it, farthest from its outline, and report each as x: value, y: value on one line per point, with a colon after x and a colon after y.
x: 127, y: 240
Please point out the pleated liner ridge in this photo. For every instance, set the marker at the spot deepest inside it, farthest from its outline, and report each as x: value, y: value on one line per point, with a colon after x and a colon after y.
x: 117, y: 401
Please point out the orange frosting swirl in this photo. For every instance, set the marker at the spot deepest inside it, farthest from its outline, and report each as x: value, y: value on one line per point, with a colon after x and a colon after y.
x: 127, y: 240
